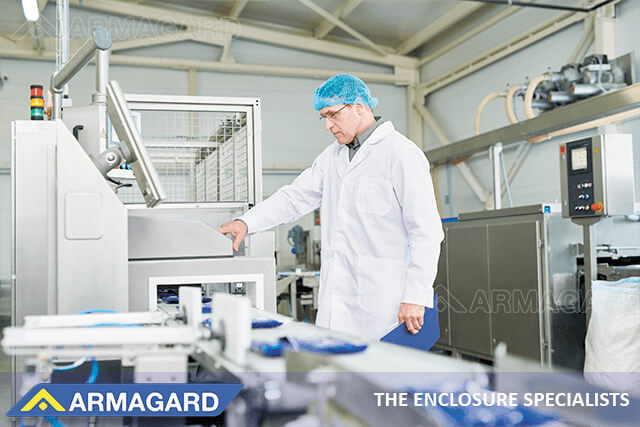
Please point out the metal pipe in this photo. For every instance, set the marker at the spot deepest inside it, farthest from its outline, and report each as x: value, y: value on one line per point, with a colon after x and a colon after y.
x: 548, y: 6
x: 541, y: 104
x: 62, y: 33
x: 560, y: 97
x: 57, y: 105
x: 581, y: 89
x: 506, y: 180
x: 590, y: 261
x: 102, y: 77
x: 496, y: 151
x: 100, y: 40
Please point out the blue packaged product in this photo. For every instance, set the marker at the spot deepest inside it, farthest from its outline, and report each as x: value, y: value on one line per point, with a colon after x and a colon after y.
x: 326, y: 345
x: 264, y: 323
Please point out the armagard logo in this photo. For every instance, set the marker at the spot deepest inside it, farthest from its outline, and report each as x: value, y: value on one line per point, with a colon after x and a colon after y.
x: 132, y: 400
x: 43, y: 399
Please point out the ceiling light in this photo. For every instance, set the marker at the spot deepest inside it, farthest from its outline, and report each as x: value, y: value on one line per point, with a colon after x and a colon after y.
x: 30, y: 10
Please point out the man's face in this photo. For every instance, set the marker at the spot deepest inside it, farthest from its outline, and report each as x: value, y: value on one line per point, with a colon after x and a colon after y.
x: 342, y: 121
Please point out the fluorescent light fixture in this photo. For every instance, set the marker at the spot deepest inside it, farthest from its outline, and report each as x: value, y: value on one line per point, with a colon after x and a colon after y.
x: 30, y: 10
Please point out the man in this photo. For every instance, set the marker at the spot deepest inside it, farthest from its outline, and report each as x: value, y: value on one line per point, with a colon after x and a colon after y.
x: 381, y: 231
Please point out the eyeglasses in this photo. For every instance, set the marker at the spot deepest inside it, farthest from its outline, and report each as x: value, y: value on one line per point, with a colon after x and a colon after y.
x: 333, y: 114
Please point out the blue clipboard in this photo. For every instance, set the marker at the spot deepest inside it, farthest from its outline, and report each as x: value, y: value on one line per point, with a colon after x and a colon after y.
x: 425, y: 339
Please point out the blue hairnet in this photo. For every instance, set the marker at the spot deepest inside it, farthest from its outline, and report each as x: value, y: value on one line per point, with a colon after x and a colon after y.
x: 343, y: 89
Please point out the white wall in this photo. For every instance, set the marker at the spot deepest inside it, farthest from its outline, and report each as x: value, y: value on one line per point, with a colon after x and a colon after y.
x: 455, y: 105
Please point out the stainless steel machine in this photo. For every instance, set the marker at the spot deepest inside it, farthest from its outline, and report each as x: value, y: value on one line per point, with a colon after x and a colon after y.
x: 207, y: 151
x: 510, y: 275
x: 517, y: 276
x: 87, y: 231
x: 86, y: 249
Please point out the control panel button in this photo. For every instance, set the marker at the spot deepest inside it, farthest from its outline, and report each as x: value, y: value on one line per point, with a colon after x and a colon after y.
x: 597, y: 207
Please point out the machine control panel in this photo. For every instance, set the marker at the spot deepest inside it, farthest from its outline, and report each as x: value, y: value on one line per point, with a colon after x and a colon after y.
x: 597, y: 176
x: 580, y: 178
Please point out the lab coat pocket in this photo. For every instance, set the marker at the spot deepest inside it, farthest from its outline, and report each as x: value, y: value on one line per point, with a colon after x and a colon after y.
x: 375, y: 195
x: 380, y: 285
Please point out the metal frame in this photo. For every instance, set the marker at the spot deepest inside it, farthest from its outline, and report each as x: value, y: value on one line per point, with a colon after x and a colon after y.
x: 250, y: 106
x: 258, y: 279
x: 196, y: 205
x: 488, y: 23
x: 546, y: 6
x: 74, y: 320
x: 614, y: 105
x: 552, y: 234
x: 341, y: 12
x: 247, y: 31
x: 481, y: 193
x: 462, y: 11
x: 501, y: 51
x: 337, y: 22
x: 237, y: 9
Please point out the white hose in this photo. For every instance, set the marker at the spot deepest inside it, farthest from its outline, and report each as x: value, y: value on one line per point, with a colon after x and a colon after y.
x: 483, y: 103
x: 528, y: 96
x: 509, y: 104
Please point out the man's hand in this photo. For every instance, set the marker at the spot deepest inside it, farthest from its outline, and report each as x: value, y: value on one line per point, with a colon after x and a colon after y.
x: 413, y: 315
x: 238, y: 230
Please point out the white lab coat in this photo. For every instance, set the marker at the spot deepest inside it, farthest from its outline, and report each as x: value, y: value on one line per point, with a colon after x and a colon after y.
x: 381, y: 231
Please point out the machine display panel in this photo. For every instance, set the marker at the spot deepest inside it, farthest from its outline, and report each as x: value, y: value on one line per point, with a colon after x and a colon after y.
x: 579, y: 159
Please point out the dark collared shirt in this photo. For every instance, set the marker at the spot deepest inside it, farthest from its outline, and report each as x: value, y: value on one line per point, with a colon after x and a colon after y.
x: 360, y: 139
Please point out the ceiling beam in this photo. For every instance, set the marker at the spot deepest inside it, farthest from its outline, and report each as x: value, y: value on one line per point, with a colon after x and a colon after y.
x: 469, y: 34
x: 226, y: 52
x: 245, y: 31
x: 338, y: 23
x: 257, y: 69
x: 479, y: 190
x: 455, y: 15
x: 21, y: 49
x: 171, y: 37
x: 237, y: 9
x: 503, y: 50
x: 341, y: 12
x: 36, y: 33
x: 587, y: 38
x: 35, y: 28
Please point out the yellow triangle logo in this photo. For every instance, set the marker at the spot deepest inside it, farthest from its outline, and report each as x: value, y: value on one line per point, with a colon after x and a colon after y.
x: 42, y: 398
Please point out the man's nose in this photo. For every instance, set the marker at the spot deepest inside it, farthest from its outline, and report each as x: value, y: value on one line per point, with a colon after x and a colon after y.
x: 327, y: 123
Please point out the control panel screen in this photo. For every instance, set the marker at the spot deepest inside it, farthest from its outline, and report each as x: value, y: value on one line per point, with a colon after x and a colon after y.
x: 579, y: 159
